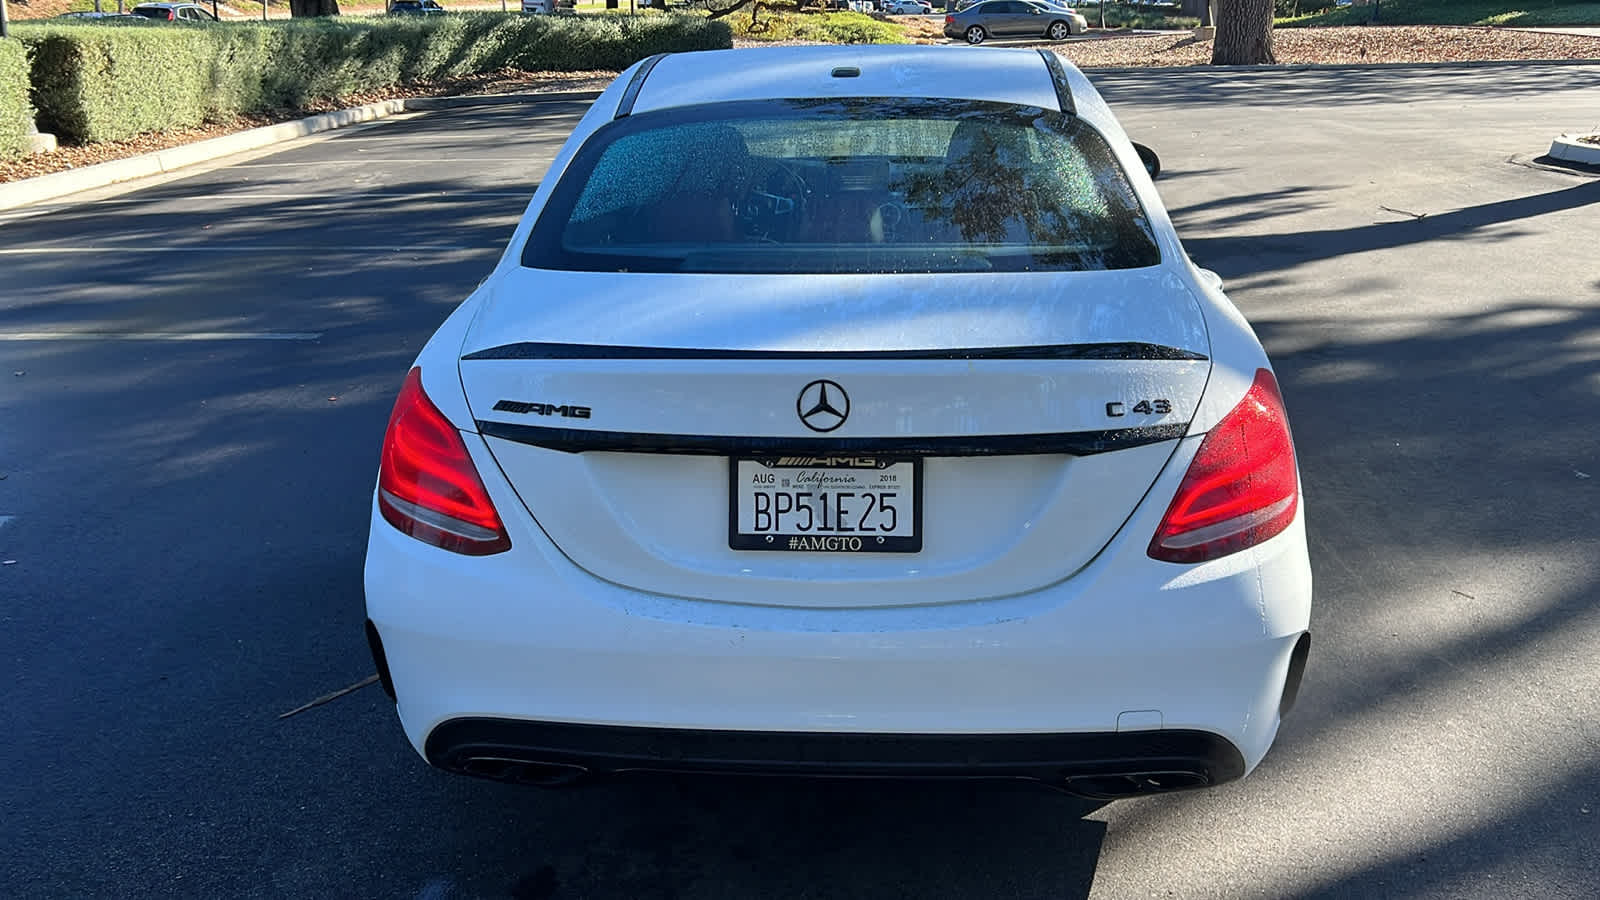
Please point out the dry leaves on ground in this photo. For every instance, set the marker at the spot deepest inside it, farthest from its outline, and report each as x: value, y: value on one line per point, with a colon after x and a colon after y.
x: 1303, y: 46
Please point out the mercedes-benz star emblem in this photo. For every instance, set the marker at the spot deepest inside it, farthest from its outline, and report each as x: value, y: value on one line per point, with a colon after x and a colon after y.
x: 823, y: 405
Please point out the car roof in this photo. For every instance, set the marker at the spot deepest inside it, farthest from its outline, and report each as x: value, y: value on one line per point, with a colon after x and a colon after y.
x: 961, y: 73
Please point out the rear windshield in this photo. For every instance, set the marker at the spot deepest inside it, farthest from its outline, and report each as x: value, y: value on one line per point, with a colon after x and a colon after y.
x: 843, y: 186
x: 152, y: 12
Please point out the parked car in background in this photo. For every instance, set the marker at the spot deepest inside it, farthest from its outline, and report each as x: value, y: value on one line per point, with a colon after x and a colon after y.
x: 1013, y: 18
x: 907, y: 7
x: 174, y: 12
x: 549, y: 7
x: 415, y: 8
x: 101, y: 17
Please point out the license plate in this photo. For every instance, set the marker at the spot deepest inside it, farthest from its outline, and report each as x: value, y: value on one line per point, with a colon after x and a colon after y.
x: 826, y: 504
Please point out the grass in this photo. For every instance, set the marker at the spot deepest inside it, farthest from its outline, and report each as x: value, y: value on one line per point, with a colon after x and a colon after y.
x: 1543, y: 13
x: 827, y: 27
x: 785, y: 21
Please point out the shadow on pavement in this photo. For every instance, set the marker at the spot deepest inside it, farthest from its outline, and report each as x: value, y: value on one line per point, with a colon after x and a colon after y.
x: 1233, y: 256
x: 1331, y: 88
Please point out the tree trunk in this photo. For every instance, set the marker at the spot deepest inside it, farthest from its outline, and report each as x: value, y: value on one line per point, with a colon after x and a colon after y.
x: 301, y: 9
x: 1244, y: 33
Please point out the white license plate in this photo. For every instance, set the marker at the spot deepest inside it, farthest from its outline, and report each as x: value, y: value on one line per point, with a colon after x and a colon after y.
x: 828, y: 504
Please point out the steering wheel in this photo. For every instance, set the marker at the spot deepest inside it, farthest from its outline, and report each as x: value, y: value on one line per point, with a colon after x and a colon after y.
x: 773, y: 203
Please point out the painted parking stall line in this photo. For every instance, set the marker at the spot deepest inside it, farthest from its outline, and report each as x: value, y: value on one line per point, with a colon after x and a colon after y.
x: 247, y: 248
x: 18, y: 336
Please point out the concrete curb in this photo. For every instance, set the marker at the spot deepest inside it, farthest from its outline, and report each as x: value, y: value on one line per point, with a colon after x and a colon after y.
x: 1568, y: 148
x: 59, y: 184
x: 421, y: 103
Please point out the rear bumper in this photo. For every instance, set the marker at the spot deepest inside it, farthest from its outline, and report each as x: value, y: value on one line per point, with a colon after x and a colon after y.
x: 1122, y: 656
x: 1093, y: 764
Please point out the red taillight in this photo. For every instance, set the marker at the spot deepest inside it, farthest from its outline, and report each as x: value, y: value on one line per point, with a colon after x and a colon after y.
x: 1241, y: 488
x: 171, y: 16
x: 949, y: 20
x: 427, y: 485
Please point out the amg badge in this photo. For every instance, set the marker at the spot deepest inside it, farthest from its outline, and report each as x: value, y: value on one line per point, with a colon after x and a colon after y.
x: 543, y: 409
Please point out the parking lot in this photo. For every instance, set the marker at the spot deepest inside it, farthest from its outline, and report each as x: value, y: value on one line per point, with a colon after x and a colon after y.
x: 196, y: 378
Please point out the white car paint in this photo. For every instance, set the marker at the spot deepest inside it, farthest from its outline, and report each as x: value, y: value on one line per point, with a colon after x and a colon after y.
x: 1034, y: 606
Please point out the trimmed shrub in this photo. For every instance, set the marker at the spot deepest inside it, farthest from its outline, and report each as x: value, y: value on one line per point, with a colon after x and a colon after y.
x: 94, y: 83
x: 16, y: 116
x: 824, y: 27
x: 103, y: 84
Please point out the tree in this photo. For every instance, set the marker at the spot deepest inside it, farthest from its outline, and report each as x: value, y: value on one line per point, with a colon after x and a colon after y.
x: 1244, y: 33
x: 311, y: 8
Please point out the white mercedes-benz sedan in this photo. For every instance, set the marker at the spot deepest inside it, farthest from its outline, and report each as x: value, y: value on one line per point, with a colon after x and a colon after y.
x: 843, y: 411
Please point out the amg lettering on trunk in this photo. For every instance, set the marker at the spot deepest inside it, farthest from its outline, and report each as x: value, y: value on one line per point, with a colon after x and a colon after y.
x: 543, y: 409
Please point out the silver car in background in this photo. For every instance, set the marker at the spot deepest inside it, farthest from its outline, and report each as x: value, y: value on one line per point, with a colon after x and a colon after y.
x: 1014, y: 19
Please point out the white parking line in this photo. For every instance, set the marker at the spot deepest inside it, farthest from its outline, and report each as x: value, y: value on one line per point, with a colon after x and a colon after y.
x: 248, y: 248
x: 351, y: 195
x: 371, y: 160
x: 160, y: 336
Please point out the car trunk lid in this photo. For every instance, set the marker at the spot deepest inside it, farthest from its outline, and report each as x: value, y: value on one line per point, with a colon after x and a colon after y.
x: 1037, y: 408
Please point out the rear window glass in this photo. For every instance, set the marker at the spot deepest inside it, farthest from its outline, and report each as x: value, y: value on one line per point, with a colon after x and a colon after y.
x: 843, y: 186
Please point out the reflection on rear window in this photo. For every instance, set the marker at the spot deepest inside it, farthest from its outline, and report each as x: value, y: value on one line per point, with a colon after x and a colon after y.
x: 852, y: 185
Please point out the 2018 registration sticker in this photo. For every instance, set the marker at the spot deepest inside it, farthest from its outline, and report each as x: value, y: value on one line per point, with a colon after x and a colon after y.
x: 828, y: 504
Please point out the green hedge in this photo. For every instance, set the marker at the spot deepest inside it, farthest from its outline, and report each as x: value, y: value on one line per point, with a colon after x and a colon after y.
x: 823, y: 27
x: 15, y: 114
x: 98, y: 83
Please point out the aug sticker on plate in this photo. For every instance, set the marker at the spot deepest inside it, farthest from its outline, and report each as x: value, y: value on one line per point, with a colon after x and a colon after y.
x: 825, y: 504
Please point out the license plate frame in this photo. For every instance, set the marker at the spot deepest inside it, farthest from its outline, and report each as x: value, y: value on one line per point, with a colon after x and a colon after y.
x: 833, y: 540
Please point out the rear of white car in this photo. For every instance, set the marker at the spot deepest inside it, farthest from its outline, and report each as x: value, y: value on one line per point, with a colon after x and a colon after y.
x: 879, y: 476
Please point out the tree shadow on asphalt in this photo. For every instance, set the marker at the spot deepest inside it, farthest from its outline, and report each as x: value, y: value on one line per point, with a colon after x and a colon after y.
x: 1236, y: 256
x: 1154, y: 89
x: 1249, y: 208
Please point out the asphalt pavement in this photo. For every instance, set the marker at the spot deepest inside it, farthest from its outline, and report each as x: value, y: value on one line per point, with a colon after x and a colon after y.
x: 194, y: 379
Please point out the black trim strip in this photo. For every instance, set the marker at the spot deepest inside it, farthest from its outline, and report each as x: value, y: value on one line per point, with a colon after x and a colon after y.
x: 1058, y: 75
x: 1121, y: 350
x: 1072, y: 443
x: 635, y: 85
x: 1106, y: 764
